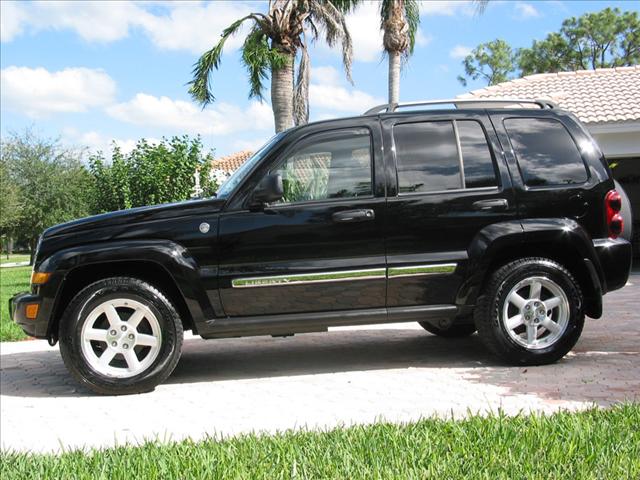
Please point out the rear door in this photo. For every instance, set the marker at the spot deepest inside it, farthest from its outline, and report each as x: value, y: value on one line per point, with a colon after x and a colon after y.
x: 321, y: 247
x: 448, y: 180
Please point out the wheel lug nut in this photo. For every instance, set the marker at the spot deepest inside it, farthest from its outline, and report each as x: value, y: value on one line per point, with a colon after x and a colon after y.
x: 131, y: 336
x: 114, y: 344
x: 125, y: 346
x: 123, y: 328
x: 113, y: 332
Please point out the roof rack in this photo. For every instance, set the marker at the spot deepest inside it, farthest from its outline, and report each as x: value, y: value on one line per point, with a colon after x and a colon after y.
x: 392, y: 107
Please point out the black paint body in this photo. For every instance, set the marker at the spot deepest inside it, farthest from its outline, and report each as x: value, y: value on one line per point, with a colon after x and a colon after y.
x: 165, y: 245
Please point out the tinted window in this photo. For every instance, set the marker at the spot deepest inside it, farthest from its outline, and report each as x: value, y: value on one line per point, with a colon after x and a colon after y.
x: 427, y: 157
x: 338, y: 166
x: 546, y: 153
x: 479, y: 170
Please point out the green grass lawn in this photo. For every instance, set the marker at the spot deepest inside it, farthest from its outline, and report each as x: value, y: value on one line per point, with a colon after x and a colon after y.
x: 16, y: 257
x: 12, y: 281
x: 596, y: 444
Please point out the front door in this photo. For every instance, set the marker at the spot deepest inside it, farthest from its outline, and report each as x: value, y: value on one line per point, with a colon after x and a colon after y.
x: 320, y: 248
x: 451, y: 182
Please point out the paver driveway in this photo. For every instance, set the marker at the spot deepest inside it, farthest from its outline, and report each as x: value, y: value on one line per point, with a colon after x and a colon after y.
x: 357, y: 375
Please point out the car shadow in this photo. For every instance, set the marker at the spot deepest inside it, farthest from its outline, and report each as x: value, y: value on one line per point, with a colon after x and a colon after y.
x: 595, y: 373
x: 43, y: 374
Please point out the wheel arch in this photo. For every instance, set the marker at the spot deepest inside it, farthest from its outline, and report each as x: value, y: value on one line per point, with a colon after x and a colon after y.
x: 561, y: 240
x: 163, y: 264
x: 147, y: 271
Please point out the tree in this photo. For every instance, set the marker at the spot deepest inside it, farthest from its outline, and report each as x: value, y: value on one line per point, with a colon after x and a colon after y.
x: 399, y: 20
x: 492, y: 61
x: 271, y: 48
x: 609, y: 38
x: 150, y: 174
x: 9, y: 204
x: 52, y: 184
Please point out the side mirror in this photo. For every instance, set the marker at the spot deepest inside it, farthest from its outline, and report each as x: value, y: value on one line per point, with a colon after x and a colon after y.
x: 268, y: 190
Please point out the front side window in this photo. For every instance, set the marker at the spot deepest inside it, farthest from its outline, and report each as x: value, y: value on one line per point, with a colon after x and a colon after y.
x: 333, y: 166
x: 546, y: 153
x: 240, y: 174
x: 429, y: 160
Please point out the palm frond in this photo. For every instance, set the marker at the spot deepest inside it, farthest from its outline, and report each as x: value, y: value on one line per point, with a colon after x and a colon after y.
x: 481, y: 6
x: 301, y: 91
x: 199, y: 86
x: 412, y: 16
x: 257, y: 57
x: 333, y: 22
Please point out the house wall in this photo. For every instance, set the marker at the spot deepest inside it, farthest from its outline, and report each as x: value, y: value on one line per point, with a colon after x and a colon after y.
x: 622, y: 149
x: 618, y: 144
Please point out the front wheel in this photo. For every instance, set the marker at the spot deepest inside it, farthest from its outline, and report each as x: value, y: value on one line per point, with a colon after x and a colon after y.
x: 531, y: 312
x: 120, y: 335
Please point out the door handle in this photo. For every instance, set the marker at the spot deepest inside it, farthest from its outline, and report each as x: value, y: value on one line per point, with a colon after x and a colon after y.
x: 492, y: 204
x: 353, y: 216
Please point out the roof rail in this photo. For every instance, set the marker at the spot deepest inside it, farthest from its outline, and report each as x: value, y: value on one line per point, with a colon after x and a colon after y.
x: 392, y: 107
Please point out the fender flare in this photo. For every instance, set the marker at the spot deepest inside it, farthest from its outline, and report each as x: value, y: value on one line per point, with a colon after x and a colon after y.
x: 171, y: 256
x: 490, y: 242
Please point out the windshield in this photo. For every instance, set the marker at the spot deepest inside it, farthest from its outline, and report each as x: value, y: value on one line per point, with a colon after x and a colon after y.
x: 227, y: 187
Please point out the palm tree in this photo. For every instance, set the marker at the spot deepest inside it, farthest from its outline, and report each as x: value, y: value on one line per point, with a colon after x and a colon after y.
x: 272, y: 46
x: 399, y: 20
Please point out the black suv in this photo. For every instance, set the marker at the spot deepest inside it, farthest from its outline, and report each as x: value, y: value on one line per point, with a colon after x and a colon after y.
x: 493, y: 217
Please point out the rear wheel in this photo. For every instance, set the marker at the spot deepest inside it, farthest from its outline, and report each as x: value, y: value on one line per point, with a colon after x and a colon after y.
x: 454, y: 331
x: 531, y: 312
x: 120, y: 335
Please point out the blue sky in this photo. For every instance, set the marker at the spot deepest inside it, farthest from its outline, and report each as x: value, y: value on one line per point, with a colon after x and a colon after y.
x: 93, y: 72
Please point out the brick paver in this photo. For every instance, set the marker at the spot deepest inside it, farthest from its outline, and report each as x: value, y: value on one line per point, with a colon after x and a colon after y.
x: 349, y: 375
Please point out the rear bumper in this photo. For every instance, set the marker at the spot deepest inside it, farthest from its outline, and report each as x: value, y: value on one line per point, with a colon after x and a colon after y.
x: 17, y: 310
x: 615, y: 260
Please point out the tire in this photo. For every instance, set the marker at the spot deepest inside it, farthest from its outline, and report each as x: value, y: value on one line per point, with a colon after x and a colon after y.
x: 132, y: 324
x: 496, y: 314
x: 454, y: 331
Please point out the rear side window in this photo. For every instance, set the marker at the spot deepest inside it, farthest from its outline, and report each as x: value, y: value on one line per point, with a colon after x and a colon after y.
x: 428, y: 158
x: 546, y: 153
x: 479, y: 169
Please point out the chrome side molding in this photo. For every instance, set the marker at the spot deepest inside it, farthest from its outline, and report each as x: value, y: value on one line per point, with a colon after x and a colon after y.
x: 420, y: 270
x: 344, y: 275
x: 306, y: 278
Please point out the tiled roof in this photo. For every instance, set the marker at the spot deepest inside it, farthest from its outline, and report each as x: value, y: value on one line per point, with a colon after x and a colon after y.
x: 595, y: 96
x: 229, y: 163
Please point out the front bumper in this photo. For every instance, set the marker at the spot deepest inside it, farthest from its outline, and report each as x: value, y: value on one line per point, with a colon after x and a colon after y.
x: 615, y: 259
x: 17, y: 310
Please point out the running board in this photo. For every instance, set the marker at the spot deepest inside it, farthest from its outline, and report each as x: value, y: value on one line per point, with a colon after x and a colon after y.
x: 291, y: 323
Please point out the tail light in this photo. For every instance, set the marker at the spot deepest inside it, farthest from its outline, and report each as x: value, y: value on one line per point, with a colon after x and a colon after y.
x: 613, y: 204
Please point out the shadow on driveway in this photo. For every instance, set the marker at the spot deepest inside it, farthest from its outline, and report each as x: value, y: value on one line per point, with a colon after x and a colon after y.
x: 603, y: 368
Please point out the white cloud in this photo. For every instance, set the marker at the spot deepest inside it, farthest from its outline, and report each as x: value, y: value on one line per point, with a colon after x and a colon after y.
x: 326, y: 76
x: 327, y: 92
x: 94, y: 141
x: 364, y: 27
x: 195, y: 27
x: 192, y: 26
x: 525, y: 10
x: 459, y: 51
x: 423, y: 40
x: 182, y: 116
x: 251, y: 145
x: 37, y: 92
x: 12, y: 18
